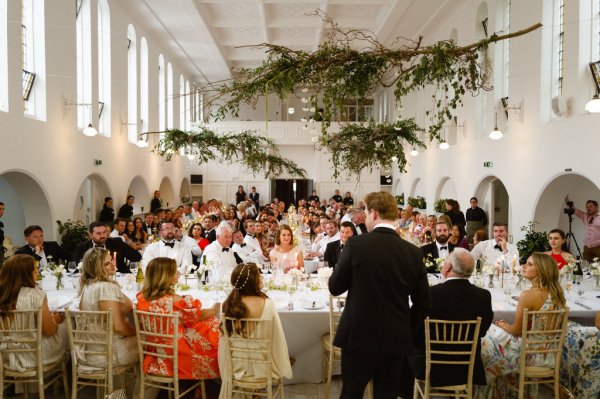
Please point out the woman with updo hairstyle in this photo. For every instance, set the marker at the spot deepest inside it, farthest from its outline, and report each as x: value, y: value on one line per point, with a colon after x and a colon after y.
x: 198, y: 328
x: 19, y: 292
x: 99, y: 291
x: 286, y: 255
x: 557, y: 239
x: 454, y: 213
x: 247, y: 300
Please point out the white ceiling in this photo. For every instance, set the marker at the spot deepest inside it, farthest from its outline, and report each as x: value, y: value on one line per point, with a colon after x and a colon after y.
x: 207, y: 37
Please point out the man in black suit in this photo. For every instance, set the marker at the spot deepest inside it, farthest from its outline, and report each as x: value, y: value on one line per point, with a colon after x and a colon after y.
x: 43, y: 251
x: 455, y: 299
x: 107, y: 214
x: 380, y: 271
x: 99, y: 238
x: 126, y: 211
x: 254, y: 196
x: 439, y: 249
x: 209, y: 223
x: 156, y: 203
x: 334, y: 248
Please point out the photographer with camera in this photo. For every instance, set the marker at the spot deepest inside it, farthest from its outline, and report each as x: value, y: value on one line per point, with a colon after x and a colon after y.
x: 591, y: 220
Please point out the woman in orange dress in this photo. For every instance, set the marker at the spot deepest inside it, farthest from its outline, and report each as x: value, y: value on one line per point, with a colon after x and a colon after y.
x: 198, y: 328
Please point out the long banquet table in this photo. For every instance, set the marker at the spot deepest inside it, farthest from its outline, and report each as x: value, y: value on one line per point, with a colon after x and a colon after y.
x: 304, y: 326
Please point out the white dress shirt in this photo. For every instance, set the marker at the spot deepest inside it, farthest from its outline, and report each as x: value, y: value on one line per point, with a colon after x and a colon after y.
x: 254, y: 248
x: 180, y: 252
x: 442, y: 253
x: 224, y: 260
x: 192, y: 245
x: 244, y: 251
x: 115, y: 234
x: 322, y: 244
x: 486, y: 249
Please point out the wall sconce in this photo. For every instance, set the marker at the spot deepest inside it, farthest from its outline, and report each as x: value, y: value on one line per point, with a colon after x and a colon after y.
x: 140, y: 142
x: 89, y: 131
x: 593, y: 106
x: 497, y: 134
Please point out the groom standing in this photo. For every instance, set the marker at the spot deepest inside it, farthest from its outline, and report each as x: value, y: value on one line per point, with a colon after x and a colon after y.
x: 380, y: 271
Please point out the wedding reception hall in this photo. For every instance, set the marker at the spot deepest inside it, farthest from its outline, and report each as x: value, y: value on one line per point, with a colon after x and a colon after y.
x: 199, y: 157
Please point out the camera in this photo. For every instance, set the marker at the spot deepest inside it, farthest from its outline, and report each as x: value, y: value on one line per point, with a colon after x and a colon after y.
x: 569, y: 210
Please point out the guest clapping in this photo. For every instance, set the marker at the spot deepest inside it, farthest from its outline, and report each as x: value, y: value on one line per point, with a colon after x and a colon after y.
x: 198, y: 328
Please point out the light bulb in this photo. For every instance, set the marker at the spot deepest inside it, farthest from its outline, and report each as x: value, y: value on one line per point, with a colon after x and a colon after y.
x: 414, y: 152
x: 142, y: 143
x: 444, y: 145
x: 291, y: 110
x: 593, y: 106
x: 496, y: 134
x: 90, y: 131
x: 394, y: 159
x: 314, y: 139
x: 190, y: 157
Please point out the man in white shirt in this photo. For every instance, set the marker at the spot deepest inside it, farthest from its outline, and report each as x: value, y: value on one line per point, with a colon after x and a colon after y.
x: 243, y: 250
x: 252, y: 242
x: 492, y: 250
x: 187, y: 241
x: 119, y: 228
x: 167, y: 247
x: 218, y: 254
x: 332, y: 234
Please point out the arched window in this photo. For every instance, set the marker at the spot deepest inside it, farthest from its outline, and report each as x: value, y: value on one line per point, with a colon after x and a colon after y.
x: 3, y: 56
x: 144, y: 98
x: 188, y: 106
x: 84, y: 63
x: 170, y: 123
x: 502, y: 50
x: 558, y: 28
x: 33, y: 58
x: 104, y: 72
x: 161, y: 96
x: 131, y: 85
x: 482, y: 31
x: 181, y: 103
x: 197, y: 111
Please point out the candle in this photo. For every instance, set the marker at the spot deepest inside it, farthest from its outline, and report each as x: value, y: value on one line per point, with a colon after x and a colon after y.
x: 115, y: 257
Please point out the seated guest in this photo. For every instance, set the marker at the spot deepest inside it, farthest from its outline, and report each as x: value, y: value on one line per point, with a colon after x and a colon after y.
x: 243, y: 252
x: 219, y: 253
x: 134, y: 236
x: 455, y: 299
x: 139, y: 233
x: 43, y: 251
x: 126, y: 211
x: 119, y: 228
x: 286, y: 255
x: 246, y: 300
x: 458, y: 237
x: 492, y: 249
x: 17, y: 279
x: 439, y: 249
x: 148, y: 224
x: 196, y: 233
x: 428, y: 232
x: 107, y: 214
x: 198, y: 328
x: 501, y: 347
x: 252, y: 241
x: 480, y: 235
x: 99, y: 291
x: 98, y: 233
x: 334, y: 248
x: 558, y: 248
x: 209, y: 223
x: 167, y: 247
x: 331, y: 234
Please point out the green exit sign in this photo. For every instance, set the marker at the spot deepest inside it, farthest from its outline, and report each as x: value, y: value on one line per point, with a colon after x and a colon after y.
x: 488, y: 164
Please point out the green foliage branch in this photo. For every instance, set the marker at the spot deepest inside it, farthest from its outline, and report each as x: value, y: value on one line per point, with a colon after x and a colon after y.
x: 72, y: 233
x: 532, y: 241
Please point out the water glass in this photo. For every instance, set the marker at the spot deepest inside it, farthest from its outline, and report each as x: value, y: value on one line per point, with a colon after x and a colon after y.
x: 71, y: 266
x: 133, y: 266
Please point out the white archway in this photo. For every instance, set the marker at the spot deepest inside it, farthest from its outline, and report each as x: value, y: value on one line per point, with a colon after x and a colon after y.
x: 139, y: 189
x: 446, y: 189
x: 167, y: 194
x: 493, y: 198
x: 90, y: 198
x: 184, y: 188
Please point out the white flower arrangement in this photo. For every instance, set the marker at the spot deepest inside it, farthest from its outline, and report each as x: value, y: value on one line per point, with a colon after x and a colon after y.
x: 325, y: 272
x: 569, y: 267
x: 296, y: 272
x: 518, y: 270
x: 431, y: 262
x: 313, y: 284
x: 595, y: 267
x: 490, y: 270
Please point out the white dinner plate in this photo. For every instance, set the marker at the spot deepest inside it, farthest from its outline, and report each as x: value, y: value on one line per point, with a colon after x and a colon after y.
x: 312, y: 305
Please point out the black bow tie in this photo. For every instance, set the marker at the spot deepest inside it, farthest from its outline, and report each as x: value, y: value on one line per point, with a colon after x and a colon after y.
x: 498, y: 247
x: 100, y: 246
x: 225, y: 249
x: 243, y: 245
x: 444, y: 247
x: 341, y: 247
x: 169, y: 244
x: 250, y: 235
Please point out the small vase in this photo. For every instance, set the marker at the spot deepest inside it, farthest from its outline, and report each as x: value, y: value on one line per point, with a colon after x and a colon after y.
x: 597, y: 282
x: 59, y: 283
x: 490, y: 281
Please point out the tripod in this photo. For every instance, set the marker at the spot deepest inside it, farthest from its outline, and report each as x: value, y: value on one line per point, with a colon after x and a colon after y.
x: 571, y: 235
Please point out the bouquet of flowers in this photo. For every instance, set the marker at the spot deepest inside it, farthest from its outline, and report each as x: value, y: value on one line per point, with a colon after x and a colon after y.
x: 595, y: 271
x: 272, y: 285
x: 57, y: 271
x: 325, y: 272
x: 431, y: 262
x: 313, y: 284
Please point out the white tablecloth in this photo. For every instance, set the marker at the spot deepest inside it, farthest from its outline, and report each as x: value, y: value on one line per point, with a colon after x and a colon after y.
x: 304, y: 327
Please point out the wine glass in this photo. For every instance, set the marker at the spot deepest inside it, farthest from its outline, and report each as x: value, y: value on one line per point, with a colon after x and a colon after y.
x: 507, y: 290
x: 133, y: 267
x: 71, y: 266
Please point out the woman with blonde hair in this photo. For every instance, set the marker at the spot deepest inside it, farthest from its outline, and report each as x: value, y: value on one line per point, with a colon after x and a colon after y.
x: 286, y: 255
x: 247, y: 300
x: 198, y: 328
x: 501, y: 347
x: 98, y: 291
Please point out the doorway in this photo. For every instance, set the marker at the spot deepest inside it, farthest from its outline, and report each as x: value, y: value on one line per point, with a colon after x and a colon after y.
x: 291, y: 190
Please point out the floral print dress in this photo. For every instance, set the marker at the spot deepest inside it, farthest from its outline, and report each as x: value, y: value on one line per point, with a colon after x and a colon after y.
x: 197, y: 339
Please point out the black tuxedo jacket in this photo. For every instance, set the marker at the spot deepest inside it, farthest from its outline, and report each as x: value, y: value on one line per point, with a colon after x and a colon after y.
x: 363, y: 228
x: 380, y: 271
x: 212, y: 235
x: 332, y: 253
x: 51, y: 248
x: 123, y: 250
x: 454, y: 300
x: 430, y: 251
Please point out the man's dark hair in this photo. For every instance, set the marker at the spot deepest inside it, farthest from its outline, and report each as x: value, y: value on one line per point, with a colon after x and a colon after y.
x: 351, y: 225
x: 163, y: 222
x: 474, y: 198
x: 501, y: 224
x: 1, y: 203
x: 106, y: 199
x: 158, y: 210
x: 120, y: 219
x: 30, y: 229
x: 595, y: 203
x: 129, y: 196
x: 148, y: 214
x: 93, y: 225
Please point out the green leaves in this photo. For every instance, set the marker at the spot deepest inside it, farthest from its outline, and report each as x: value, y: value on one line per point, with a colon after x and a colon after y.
x: 256, y: 152
x: 532, y: 241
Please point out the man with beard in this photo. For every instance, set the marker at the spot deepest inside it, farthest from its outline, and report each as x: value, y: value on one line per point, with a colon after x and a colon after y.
x: 439, y: 249
x: 98, y: 233
x: 167, y: 247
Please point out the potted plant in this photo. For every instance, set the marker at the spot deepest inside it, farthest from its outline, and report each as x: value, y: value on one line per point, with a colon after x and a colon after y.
x: 440, y: 205
x: 400, y: 199
x: 72, y: 232
x: 533, y: 241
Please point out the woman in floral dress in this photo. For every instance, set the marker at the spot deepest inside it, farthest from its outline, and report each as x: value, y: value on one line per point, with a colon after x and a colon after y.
x: 198, y: 328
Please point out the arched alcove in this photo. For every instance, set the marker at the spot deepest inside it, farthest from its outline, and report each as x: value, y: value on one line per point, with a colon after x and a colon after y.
x: 167, y: 193
x: 90, y: 198
x: 26, y: 203
x: 549, y: 209
x: 446, y: 189
x: 139, y: 189
x: 494, y: 200
x: 184, y: 188
x: 398, y: 188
